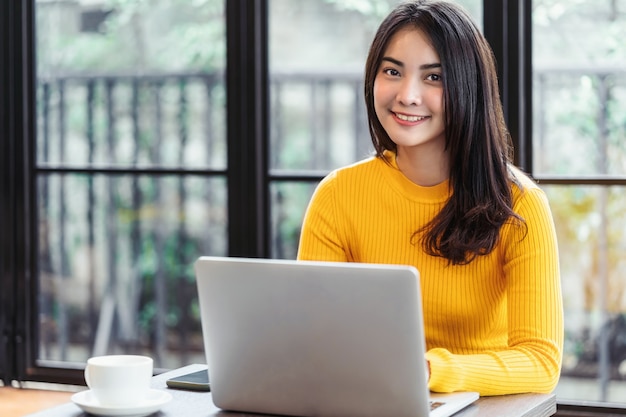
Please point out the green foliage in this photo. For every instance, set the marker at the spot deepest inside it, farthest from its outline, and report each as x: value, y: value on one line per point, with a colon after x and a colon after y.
x: 582, y: 31
x: 174, y: 264
x: 139, y: 36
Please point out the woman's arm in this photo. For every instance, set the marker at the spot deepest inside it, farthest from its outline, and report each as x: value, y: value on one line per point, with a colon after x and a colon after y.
x: 532, y: 361
x: 319, y: 238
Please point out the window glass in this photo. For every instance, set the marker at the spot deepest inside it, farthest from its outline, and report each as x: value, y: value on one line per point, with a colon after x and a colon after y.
x: 579, y: 139
x: 131, y: 83
x: 116, y: 264
x: 590, y: 223
x: 318, y: 119
x: 139, y: 121
x: 130, y: 168
x: 579, y: 59
x: 289, y: 200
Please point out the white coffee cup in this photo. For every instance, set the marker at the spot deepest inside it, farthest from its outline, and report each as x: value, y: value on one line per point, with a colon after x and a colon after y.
x: 118, y: 380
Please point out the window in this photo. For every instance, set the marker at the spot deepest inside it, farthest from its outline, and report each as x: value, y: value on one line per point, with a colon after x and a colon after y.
x: 128, y: 179
x: 579, y: 156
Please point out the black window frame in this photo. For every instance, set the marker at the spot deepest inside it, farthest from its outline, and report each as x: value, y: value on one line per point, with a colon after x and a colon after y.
x: 507, y: 26
x: 16, y: 130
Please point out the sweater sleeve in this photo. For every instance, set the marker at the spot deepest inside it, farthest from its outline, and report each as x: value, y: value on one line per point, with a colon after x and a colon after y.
x: 532, y: 360
x: 319, y: 239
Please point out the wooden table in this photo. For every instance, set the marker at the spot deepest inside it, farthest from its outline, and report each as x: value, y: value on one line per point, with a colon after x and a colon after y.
x: 192, y: 404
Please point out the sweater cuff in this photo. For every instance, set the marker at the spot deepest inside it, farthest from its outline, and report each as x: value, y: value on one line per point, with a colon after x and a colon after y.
x: 446, y: 375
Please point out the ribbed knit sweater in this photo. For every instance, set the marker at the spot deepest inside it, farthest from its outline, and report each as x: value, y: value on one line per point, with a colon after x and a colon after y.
x: 494, y: 325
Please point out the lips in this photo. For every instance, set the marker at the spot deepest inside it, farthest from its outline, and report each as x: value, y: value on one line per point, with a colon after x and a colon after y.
x: 409, y: 118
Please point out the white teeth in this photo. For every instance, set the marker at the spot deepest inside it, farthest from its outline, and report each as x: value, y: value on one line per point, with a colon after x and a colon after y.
x: 410, y: 118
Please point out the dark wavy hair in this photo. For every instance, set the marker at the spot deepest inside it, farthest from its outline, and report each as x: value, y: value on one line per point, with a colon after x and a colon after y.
x: 477, y: 138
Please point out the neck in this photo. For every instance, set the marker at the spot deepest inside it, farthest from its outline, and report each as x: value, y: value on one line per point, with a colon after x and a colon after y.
x: 423, y: 168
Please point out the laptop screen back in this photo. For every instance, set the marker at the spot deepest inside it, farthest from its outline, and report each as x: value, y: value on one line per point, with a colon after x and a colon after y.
x: 313, y: 338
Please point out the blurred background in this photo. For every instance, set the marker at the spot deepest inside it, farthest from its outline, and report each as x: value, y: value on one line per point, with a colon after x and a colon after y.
x: 131, y: 163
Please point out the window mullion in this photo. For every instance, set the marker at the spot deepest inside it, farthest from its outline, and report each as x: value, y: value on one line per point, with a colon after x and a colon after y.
x: 507, y: 27
x: 248, y: 127
x: 19, y: 298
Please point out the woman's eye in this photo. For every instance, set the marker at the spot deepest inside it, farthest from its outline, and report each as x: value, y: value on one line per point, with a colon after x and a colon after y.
x: 434, y: 77
x: 392, y: 72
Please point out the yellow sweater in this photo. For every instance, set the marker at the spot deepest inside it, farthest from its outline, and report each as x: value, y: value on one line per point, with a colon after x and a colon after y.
x: 495, y: 325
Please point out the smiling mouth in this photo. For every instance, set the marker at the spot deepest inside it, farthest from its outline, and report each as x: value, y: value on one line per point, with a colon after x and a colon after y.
x: 408, y: 118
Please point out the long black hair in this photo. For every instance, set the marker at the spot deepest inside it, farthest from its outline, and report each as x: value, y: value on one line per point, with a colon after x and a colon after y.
x: 477, y: 138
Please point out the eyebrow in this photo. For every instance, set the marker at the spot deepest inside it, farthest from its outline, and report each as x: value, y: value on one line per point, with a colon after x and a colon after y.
x: 401, y: 64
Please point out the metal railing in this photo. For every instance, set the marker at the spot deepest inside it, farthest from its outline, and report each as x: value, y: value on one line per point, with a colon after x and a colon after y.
x: 125, y: 164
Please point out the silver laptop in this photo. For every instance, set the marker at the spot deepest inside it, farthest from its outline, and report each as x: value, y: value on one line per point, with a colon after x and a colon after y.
x: 319, y: 339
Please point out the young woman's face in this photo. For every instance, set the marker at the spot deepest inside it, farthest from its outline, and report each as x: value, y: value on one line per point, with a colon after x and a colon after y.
x: 408, y: 91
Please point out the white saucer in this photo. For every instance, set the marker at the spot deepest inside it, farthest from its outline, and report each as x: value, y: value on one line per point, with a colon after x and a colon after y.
x: 151, y: 404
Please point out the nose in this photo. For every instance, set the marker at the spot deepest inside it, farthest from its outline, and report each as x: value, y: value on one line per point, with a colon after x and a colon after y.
x: 409, y: 92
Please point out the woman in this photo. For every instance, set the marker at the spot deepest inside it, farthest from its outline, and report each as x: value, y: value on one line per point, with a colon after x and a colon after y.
x: 441, y: 194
